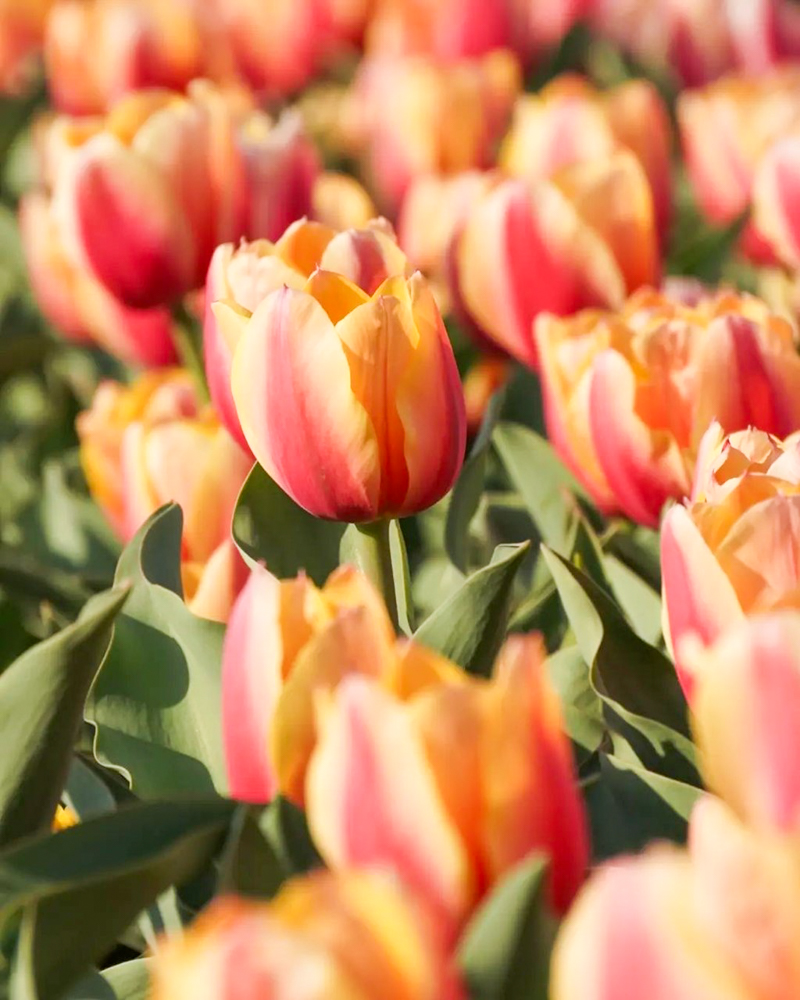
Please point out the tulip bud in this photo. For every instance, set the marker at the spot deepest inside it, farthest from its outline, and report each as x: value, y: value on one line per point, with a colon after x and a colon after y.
x: 337, y: 390
x: 584, y: 237
x: 628, y: 395
x: 414, y: 116
x: 734, y: 550
x: 351, y: 936
x: 568, y: 122
x: 240, y: 279
x: 450, y: 782
x: 150, y: 444
x: 167, y: 178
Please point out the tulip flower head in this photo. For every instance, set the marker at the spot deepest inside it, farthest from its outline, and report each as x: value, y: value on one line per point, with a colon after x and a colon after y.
x: 628, y: 395
x: 349, y: 936
x: 732, y: 551
x: 447, y: 30
x: 22, y: 27
x: 150, y: 444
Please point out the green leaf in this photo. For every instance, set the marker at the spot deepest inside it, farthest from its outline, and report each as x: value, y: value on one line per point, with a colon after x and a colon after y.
x: 629, y: 807
x: 155, y: 705
x: 269, y: 527
x: 583, y: 710
x: 126, y: 981
x: 468, y: 489
x: 505, y: 951
x: 547, y: 487
x: 284, y: 825
x: 469, y: 628
x: 41, y: 708
x: 249, y: 865
x: 78, y: 890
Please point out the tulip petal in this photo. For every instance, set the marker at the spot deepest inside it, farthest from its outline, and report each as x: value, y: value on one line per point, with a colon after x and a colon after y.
x: 776, y: 199
x: 218, y: 584
x: 292, y: 387
x: 372, y: 799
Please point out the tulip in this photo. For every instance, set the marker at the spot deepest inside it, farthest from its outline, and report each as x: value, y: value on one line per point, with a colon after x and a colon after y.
x: 583, y: 237
x: 485, y: 378
x: 240, y: 279
x: 732, y: 551
x: 719, y: 922
x: 341, y: 202
x: 628, y: 395
x: 746, y: 717
x: 544, y: 25
x: 413, y: 116
x: 725, y: 152
x: 448, y: 782
x: 568, y: 122
x: 338, y: 390
x: 350, y: 936
x: 150, y: 444
x: 22, y: 26
x: 775, y: 194
x: 98, y: 51
x: 164, y: 179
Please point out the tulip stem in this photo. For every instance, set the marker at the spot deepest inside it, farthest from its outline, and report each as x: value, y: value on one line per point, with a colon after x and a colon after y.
x: 187, y: 338
x: 371, y: 551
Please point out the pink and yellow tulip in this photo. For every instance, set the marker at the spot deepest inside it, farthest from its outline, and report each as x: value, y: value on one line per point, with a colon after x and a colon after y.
x: 586, y: 236
x: 629, y: 395
x: 717, y: 922
x: 727, y: 131
x: 147, y: 445
x: 732, y: 551
x: 241, y: 278
x: 775, y: 198
x: 350, y: 399
x: 414, y: 116
x: 143, y: 197
x: 569, y: 121
x: 351, y: 936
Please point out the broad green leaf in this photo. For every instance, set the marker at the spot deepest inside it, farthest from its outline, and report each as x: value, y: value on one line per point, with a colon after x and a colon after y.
x: 641, y: 604
x: 284, y: 825
x: 468, y: 489
x: 545, y: 484
x: 156, y: 702
x: 505, y: 951
x: 126, y: 981
x: 469, y: 628
x: 269, y: 527
x: 249, y: 865
x: 41, y: 708
x: 80, y: 889
x: 583, y: 710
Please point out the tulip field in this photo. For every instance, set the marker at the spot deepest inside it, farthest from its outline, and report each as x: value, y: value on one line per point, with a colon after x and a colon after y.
x: 399, y: 500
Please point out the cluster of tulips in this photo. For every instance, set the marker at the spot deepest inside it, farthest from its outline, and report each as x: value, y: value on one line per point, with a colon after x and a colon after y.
x: 278, y: 218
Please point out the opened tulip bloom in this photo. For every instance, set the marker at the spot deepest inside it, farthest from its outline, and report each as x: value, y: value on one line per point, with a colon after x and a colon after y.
x: 733, y: 550
x: 143, y: 197
x: 150, y: 444
x: 352, y: 936
x: 586, y: 236
x: 628, y: 395
x: 241, y: 278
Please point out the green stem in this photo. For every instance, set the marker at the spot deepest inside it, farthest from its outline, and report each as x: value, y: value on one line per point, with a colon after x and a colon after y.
x: 188, y: 341
x: 371, y: 553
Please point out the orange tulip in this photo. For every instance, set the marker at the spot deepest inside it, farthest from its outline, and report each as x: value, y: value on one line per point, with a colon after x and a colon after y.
x: 414, y: 116
x: 143, y: 197
x: 240, y: 279
x: 446, y: 779
x: 351, y: 936
x: 727, y: 130
x: 337, y: 391
x: 733, y: 551
x: 628, y: 395
x: 569, y: 121
x: 719, y: 922
x: 147, y: 445
x: 583, y: 237
x: 22, y: 25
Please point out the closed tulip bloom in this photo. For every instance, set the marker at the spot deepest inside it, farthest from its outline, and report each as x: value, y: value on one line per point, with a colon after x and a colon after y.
x: 775, y: 194
x: 100, y: 50
x: 569, y: 121
x: 584, y: 237
x: 733, y: 551
x: 351, y: 400
x: 150, y: 444
x: 413, y: 116
x: 445, y: 29
x: 727, y: 130
x: 165, y: 178
x: 449, y: 782
x: 628, y: 395
x: 350, y: 936
x: 22, y: 27
x: 241, y: 278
